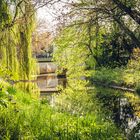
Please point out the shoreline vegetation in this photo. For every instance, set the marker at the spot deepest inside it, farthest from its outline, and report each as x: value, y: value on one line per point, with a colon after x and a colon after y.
x: 24, y: 116
x: 96, y: 44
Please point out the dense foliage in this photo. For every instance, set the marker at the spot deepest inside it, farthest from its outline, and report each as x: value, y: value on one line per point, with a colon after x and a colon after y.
x: 98, y: 42
x: 16, y: 28
x: 25, y: 117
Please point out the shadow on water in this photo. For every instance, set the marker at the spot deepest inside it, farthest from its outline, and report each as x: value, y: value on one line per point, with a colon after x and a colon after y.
x: 116, y: 105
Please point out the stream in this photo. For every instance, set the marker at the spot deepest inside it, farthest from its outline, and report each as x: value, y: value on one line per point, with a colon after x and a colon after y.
x: 122, y: 110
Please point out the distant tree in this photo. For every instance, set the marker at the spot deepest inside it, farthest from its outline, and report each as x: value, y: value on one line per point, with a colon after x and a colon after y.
x: 42, y: 38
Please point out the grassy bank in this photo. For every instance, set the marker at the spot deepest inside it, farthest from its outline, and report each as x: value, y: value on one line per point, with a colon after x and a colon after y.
x: 118, y: 76
x: 127, y: 76
x: 23, y: 116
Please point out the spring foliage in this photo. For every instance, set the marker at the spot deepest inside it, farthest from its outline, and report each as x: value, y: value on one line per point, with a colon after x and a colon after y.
x: 25, y: 117
x: 16, y: 61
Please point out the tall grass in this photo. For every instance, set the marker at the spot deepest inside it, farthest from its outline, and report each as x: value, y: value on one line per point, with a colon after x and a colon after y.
x: 27, y: 118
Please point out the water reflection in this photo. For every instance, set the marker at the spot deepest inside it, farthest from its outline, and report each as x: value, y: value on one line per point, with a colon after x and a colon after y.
x: 48, y: 80
x: 121, y: 111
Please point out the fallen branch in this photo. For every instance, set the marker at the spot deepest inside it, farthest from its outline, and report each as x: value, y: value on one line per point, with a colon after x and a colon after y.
x: 112, y: 86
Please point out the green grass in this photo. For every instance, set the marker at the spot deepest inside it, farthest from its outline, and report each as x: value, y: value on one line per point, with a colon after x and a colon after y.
x: 28, y: 118
x: 117, y: 76
x: 128, y: 76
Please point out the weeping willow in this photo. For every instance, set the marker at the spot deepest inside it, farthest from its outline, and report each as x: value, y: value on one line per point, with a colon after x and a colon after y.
x: 16, y: 60
x: 8, y: 53
x: 25, y: 34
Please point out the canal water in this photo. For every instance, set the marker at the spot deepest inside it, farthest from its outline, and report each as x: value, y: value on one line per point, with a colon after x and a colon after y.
x: 123, y: 107
x: 48, y: 79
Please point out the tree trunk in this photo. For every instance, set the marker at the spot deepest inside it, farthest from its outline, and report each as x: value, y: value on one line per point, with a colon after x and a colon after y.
x: 134, y: 14
x: 129, y: 32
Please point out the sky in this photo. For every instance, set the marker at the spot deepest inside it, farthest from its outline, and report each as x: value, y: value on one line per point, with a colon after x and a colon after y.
x: 49, y: 14
x: 45, y: 15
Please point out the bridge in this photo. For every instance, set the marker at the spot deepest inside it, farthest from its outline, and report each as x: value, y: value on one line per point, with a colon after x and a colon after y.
x: 48, y: 79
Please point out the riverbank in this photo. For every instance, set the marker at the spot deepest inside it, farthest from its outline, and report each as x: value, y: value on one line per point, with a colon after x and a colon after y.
x: 117, y: 78
x: 25, y: 116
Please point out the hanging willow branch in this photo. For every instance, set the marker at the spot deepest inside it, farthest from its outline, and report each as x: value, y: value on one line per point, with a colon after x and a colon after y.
x: 11, y: 24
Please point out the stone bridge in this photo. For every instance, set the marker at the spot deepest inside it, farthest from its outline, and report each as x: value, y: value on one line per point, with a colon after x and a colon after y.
x: 48, y: 79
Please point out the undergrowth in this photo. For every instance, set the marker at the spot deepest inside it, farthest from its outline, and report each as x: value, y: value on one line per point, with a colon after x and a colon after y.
x: 24, y: 117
